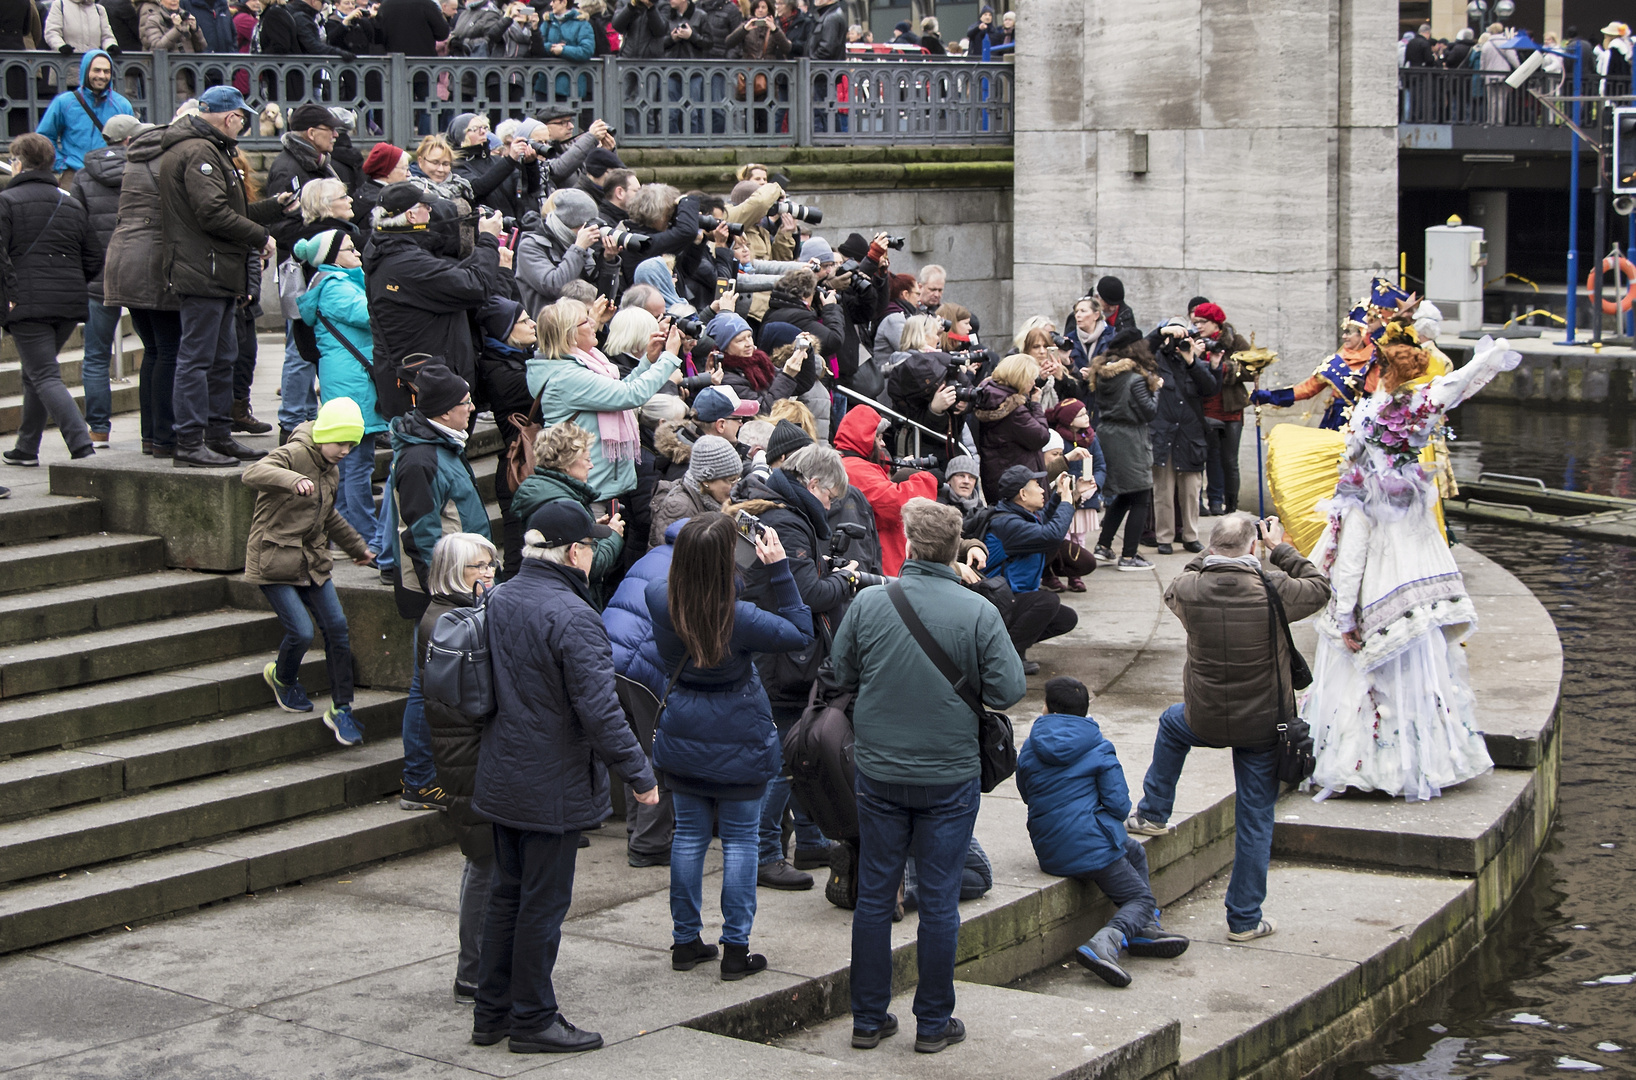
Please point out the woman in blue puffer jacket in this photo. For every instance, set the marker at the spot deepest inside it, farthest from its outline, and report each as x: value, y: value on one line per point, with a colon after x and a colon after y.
x: 337, y: 308
x: 568, y: 35
x: 716, y: 743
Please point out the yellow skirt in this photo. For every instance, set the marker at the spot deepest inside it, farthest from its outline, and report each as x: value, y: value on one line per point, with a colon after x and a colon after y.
x: 1303, y: 465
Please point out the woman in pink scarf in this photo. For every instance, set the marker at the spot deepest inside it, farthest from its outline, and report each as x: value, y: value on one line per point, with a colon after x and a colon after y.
x: 574, y: 381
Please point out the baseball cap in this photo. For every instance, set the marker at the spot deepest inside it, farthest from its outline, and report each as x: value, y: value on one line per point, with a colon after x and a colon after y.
x: 396, y: 198
x: 719, y: 402
x: 563, y: 521
x: 224, y: 99
x: 1016, y: 478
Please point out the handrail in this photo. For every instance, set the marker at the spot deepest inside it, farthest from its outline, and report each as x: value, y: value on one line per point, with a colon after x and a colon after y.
x: 1463, y: 97
x: 1531, y: 481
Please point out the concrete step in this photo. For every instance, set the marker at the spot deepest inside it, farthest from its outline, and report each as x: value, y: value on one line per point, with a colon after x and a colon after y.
x: 154, y: 646
x: 39, y: 782
x: 120, y: 894
x: 97, y: 557
x: 204, y: 809
x: 76, y: 339
x: 126, y: 399
x: 11, y: 373
x: 85, y: 715
x: 104, y: 605
x: 27, y: 518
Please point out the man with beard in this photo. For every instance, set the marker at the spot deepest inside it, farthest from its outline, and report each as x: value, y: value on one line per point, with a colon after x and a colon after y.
x: 68, y: 122
x: 422, y: 292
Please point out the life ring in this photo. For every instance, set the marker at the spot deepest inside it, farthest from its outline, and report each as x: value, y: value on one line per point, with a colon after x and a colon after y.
x: 1627, y: 301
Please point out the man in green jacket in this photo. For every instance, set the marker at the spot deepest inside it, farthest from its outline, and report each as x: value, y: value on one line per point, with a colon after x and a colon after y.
x: 918, y: 767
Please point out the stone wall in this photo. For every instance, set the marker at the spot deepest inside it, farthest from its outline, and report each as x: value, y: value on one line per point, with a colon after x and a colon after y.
x: 1271, y: 171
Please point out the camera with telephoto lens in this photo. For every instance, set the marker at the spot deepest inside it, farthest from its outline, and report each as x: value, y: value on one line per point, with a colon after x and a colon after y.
x: 689, y: 326
x: 1062, y: 341
x: 840, y: 540
x: 852, y: 278
x: 624, y: 237
x: 710, y: 223
x: 809, y: 214
x: 896, y: 242
x: 957, y: 376
x: 926, y: 462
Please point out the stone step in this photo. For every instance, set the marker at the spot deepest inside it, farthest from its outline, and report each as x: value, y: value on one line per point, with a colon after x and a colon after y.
x: 74, y: 718
x: 121, y: 893
x: 154, y: 646
x: 25, y: 519
x: 40, y: 782
x: 76, y: 340
x: 200, y: 810
x: 104, y: 605
x: 97, y: 557
x: 11, y: 373
x: 126, y: 399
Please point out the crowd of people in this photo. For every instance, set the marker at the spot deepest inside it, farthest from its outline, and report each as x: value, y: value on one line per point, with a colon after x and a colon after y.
x: 564, y: 30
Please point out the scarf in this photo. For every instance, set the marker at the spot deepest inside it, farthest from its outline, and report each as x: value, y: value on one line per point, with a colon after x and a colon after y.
x: 453, y: 434
x: 756, y: 368
x: 617, y: 431
x: 654, y: 272
x: 1356, y: 358
x: 1213, y: 561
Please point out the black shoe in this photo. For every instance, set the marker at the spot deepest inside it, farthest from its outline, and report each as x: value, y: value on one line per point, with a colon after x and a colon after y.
x: 83, y: 453
x: 488, y: 1038
x: 560, y: 1038
x: 163, y: 451
x: 284, y: 435
x: 584, y: 841
x: 932, y: 1044
x: 464, y: 992
x: 1192, y: 545
x: 1155, y: 940
x: 244, y: 420
x: 200, y: 457
x: 689, y: 956
x: 812, y: 858
x: 1165, y: 549
x: 737, y: 961
x: 781, y: 875
x: 235, y: 449
x: 5, y: 493
x: 658, y: 858
x: 426, y: 798
x: 389, y: 576
x: 1031, y: 667
x: 1217, y: 510
x: 27, y: 461
x: 868, y: 1040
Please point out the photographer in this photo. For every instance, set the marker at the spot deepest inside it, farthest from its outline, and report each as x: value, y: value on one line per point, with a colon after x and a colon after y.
x: 520, y: 32
x: 792, y: 302
x: 794, y: 501
x: 688, y: 31
x: 1011, y: 427
x: 642, y: 29
x: 164, y: 25
x: 1051, y: 351
x: 567, y: 246
x: 670, y: 222
x: 860, y: 286
x: 478, y: 30
x: 506, y: 180
x: 1023, y: 535
x: 867, y: 467
x: 562, y: 155
x: 350, y: 27
x: 1223, y: 410
x: 903, y: 300
x: 1179, y: 447
x: 759, y: 37
x: 924, y: 385
x: 750, y: 373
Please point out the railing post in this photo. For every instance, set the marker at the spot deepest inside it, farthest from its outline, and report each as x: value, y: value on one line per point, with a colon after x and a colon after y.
x: 163, y: 90
x: 612, y: 101
x: 399, y: 100
x: 802, y: 128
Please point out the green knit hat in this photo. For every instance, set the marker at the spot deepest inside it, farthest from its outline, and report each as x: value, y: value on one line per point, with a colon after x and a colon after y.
x: 339, y: 420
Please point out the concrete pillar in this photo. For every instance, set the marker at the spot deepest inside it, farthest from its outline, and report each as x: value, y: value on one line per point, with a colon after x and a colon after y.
x: 1489, y: 212
x: 1449, y: 17
x: 1553, y: 19
x: 1271, y: 164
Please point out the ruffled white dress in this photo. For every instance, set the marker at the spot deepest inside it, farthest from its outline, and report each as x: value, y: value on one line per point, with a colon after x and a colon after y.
x: 1397, y: 714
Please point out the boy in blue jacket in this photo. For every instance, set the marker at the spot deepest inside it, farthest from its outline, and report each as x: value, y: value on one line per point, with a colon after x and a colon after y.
x: 1070, y: 777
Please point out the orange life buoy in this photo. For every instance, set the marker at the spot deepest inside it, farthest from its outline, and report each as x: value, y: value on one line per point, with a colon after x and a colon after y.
x: 1627, y: 301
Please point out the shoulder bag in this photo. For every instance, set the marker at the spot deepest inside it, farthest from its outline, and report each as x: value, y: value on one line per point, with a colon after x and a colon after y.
x: 1296, y: 750
x: 996, y: 743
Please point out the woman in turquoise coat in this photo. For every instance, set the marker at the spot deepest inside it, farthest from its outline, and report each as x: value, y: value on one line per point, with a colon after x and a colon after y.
x: 568, y: 35
x: 337, y: 309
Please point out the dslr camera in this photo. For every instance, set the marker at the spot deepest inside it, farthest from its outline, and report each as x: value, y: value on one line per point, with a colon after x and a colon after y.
x: 624, y: 237
x: 710, y: 223
x: 896, y: 242
x: 957, y: 376
x: 800, y: 212
x: 1062, y: 341
x: 688, y: 325
x: 839, y: 542
x: 925, y: 462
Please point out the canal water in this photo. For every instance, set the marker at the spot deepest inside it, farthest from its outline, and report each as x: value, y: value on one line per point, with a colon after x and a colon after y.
x: 1553, y: 991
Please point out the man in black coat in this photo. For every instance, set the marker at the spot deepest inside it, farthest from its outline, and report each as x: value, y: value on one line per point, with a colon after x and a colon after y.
x: 829, y: 35
x: 688, y: 31
x: 123, y: 20
x: 1179, y: 445
x: 411, y: 27
x: 797, y: 26
x: 643, y: 29
x: 1418, y: 53
x: 542, y: 774
x: 792, y: 302
x: 721, y: 18
x: 422, y: 295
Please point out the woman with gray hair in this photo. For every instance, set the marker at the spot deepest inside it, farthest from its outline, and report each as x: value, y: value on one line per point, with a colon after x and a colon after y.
x: 562, y: 455
x: 462, y: 570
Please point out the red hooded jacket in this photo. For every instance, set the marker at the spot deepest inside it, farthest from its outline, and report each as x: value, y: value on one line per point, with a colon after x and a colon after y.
x: 855, y: 438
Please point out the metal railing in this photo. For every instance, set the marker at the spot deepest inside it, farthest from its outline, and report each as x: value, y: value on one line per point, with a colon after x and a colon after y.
x: 1481, y: 98
x: 647, y: 103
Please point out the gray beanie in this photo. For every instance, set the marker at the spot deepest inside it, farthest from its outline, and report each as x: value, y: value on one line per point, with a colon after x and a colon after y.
x: 573, y: 207
x: 965, y: 463
x: 714, y: 458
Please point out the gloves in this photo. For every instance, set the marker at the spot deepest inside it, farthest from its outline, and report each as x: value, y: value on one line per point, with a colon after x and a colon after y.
x: 1281, y: 399
x: 66, y: 49
x: 349, y: 57
x: 112, y: 50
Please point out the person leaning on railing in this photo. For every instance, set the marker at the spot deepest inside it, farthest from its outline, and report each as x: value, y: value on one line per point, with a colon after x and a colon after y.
x: 758, y: 37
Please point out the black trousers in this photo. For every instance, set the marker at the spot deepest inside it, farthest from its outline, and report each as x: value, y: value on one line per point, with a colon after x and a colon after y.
x: 1039, y: 615
x: 533, y: 886
x: 1138, y: 504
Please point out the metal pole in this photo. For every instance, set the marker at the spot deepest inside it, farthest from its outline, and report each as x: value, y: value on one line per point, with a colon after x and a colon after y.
x: 1630, y: 245
x: 1573, y: 200
x: 1600, y: 232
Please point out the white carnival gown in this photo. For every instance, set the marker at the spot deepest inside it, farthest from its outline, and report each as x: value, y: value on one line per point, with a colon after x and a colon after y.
x: 1397, y: 714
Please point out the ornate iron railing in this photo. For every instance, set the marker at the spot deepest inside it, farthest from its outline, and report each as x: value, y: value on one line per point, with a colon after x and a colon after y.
x: 647, y: 103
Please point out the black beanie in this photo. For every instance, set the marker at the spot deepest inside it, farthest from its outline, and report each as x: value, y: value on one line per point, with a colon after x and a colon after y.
x: 1111, y: 289
x: 437, y: 390
x: 854, y: 247
x: 1195, y: 302
x: 497, y: 316
x: 786, y: 439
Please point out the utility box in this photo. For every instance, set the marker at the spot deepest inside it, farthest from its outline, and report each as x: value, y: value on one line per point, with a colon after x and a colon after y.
x: 1456, y: 261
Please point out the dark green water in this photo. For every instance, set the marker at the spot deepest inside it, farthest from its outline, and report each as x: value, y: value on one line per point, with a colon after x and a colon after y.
x: 1553, y: 991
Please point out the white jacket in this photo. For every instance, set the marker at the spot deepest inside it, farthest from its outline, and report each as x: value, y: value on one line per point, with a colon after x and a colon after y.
x: 82, y: 25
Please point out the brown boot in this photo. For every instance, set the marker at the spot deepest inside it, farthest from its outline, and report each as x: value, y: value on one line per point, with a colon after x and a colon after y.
x: 244, y: 420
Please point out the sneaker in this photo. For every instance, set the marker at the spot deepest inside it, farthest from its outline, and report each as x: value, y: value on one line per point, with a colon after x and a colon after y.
x: 781, y: 875
x: 952, y: 1033
x: 5, y: 493
x: 1265, y: 928
x: 426, y: 798
x: 290, y: 696
x: 864, y: 1039
x: 1155, y: 940
x: 1076, y: 584
x: 1165, y: 549
x: 99, y: 438
x: 1134, y: 562
x: 339, y: 719
x: 85, y: 452
x: 465, y: 993
x: 388, y: 576
x: 15, y: 457
x: 658, y: 858
x: 560, y: 1038
x: 1100, y: 956
x: 689, y: 956
x: 1192, y: 545
x: 812, y: 858
x: 1051, y: 582
x: 1140, y: 825
x: 1105, y: 554
x: 1031, y: 667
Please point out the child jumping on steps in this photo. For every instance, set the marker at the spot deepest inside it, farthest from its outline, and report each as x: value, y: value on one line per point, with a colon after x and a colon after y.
x: 288, y: 556
x: 1070, y: 777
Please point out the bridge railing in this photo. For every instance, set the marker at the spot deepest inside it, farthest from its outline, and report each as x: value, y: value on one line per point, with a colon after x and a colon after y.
x: 1480, y: 98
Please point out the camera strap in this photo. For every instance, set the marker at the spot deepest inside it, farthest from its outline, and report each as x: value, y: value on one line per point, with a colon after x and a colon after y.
x: 934, y: 652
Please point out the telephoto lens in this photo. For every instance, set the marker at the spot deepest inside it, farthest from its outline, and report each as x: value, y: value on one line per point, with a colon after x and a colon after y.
x: 710, y: 223
x: 809, y: 214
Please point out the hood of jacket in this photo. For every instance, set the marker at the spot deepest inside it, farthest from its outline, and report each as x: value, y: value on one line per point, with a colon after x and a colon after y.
x: 857, y: 432
x: 672, y: 440
x: 757, y: 496
x: 996, y: 402
x: 1060, y: 739
x: 147, y: 146
x: 308, y: 156
x: 328, y: 274
x: 85, y: 68
x: 1106, y: 366
x: 106, y: 166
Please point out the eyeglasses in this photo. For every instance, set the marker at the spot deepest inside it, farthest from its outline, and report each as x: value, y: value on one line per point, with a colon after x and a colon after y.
x: 481, y: 567
x: 466, y: 402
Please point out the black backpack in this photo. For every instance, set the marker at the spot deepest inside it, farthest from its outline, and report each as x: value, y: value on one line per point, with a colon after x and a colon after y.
x: 459, y: 673
x: 818, y: 754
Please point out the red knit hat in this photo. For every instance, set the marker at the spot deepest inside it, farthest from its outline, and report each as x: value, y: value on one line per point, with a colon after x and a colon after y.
x: 1205, y: 310
x: 382, y: 160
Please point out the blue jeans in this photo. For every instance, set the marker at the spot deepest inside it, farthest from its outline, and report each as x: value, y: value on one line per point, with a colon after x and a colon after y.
x: 933, y: 824
x: 100, y: 323
x: 383, y: 541
x: 807, y: 835
x: 1125, y: 882
x: 532, y: 887
x: 299, y: 607
x: 1255, y: 774
x: 203, y: 396
x: 297, y: 398
x: 354, y: 497
x: 737, y: 821
x: 419, y: 771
